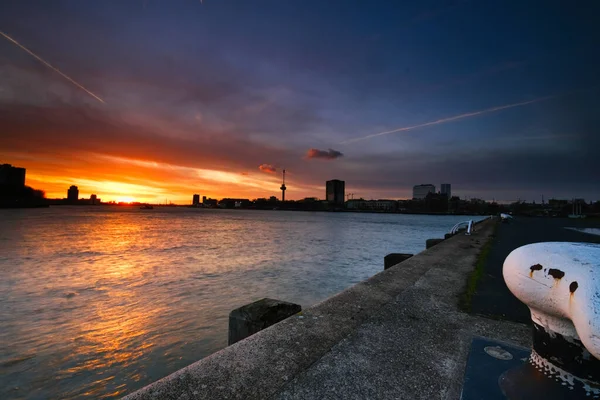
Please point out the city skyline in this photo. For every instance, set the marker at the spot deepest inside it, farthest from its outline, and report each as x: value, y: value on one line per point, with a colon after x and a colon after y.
x: 145, y: 101
x: 425, y: 198
x: 444, y: 190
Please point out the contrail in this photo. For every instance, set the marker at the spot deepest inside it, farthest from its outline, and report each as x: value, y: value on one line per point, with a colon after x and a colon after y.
x: 450, y: 119
x: 51, y: 67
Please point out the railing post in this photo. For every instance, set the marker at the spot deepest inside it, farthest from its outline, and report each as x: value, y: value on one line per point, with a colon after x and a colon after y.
x: 468, y: 225
x: 560, y: 283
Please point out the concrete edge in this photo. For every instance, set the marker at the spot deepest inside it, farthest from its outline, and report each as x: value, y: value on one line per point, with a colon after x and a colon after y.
x: 259, y: 366
x: 415, y: 347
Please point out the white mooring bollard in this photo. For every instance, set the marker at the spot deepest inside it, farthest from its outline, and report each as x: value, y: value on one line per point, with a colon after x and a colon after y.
x: 560, y: 283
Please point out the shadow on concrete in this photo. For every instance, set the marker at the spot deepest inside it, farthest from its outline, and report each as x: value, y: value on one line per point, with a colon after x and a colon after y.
x: 492, y: 297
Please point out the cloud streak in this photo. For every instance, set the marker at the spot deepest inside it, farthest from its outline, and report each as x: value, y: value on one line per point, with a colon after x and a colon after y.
x: 450, y: 119
x: 328, y: 154
x: 40, y: 59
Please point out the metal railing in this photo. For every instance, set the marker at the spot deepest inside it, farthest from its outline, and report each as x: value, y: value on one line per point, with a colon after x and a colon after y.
x: 464, y: 224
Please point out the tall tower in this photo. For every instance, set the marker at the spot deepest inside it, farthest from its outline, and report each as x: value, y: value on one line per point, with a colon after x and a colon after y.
x: 283, y: 188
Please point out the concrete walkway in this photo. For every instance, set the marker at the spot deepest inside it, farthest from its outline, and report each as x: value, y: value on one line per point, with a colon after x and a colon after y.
x: 492, y: 297
x: 397, y: 335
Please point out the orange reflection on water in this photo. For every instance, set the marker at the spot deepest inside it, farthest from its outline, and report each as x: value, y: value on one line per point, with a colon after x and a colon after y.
x: 119, y: 328
x: 117, y: 336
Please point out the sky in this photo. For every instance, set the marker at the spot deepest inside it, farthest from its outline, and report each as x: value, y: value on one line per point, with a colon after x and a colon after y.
x: 155, y: 100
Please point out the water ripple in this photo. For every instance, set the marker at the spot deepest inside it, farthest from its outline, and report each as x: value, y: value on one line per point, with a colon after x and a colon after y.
x: 96, y: 302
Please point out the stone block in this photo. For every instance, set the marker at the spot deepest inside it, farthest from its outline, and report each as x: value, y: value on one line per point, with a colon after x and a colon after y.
x: 394, y: 258
x: 254, y: 317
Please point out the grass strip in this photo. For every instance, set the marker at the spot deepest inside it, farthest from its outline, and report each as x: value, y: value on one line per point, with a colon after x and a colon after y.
x: 465, y: 301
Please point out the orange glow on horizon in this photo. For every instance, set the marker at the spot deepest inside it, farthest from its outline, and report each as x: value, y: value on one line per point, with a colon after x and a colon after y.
x: 128, y: 180
x: 124, y: 199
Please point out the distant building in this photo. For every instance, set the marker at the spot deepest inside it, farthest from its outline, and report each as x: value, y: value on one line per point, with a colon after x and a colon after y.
x: 421, y: 191
x: 209, y: 202
x: 446, y: 189
x: 234, y: 203
x: 372, y: 205
x: 356, y: 204
x: 196, y: 200
x: 73, y: 193
x: 558, y: 204
x: 386, y: 205
x: 435, y: 202
x: 94, y: 200
x: 334, y: 192
x: 12, y: 176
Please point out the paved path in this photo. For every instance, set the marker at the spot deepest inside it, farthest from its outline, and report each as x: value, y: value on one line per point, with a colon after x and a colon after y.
x: 492, y: 298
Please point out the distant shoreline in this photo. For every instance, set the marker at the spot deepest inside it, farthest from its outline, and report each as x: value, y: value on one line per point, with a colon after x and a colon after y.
x: 160, y: 206
x: 240, y: 209
x: 22, y: 206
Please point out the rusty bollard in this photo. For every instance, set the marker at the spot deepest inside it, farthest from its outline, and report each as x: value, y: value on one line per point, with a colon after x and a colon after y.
x: 560, y: 283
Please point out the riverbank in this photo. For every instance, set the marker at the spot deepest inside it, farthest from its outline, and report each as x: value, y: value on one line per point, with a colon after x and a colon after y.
x: 399, y: 334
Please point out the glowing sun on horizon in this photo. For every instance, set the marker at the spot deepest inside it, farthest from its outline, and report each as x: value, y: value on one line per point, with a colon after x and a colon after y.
x: 124, y: 199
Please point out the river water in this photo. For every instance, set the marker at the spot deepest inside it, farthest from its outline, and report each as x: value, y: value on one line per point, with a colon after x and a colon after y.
x: 99, y: 301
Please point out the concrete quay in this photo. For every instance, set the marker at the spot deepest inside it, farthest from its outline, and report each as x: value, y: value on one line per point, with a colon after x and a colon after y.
x: 398, y: 335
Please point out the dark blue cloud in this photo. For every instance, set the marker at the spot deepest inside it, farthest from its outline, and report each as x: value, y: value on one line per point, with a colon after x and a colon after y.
x: 329, y: 154
x: 292, y: 76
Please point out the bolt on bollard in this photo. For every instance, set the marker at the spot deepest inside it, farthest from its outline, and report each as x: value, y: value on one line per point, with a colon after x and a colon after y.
x: 560, y: 283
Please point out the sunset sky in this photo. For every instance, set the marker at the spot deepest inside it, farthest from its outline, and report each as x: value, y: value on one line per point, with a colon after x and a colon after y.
x: 155, y: 100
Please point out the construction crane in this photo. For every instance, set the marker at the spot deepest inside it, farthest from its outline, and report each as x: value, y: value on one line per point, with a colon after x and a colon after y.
x: 350, y: 196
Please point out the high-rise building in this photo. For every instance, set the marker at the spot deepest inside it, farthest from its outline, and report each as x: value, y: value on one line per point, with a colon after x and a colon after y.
x: 446, y: 189
x: 421, y: 191
x: 196, y: 200
x: 334, y: 191
x: 12, y: 176
x: 73, y: 193
x: 94, y: 200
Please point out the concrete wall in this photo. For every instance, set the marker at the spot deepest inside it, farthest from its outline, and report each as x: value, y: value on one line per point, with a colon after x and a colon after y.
x: 398, y: 334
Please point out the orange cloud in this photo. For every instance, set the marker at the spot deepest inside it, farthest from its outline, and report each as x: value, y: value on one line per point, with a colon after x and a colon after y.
x: 268, y: 168
x: 112, y: 177
x: 63, y: 146
x: 114, y: 156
